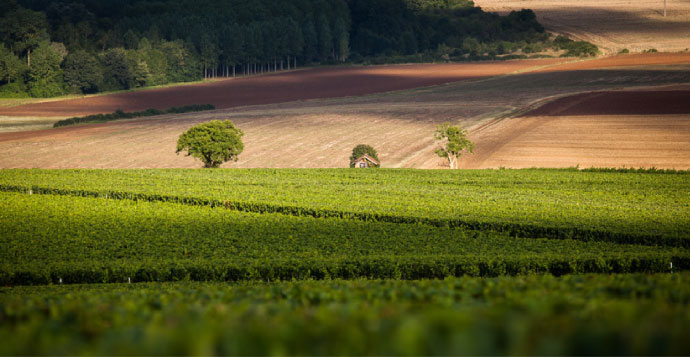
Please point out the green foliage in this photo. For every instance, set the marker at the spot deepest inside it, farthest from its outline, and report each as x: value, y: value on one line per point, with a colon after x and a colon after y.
x: 574, y: 315
x: 14, y: 90
x: 219, y: 258
x: 23, y: 30
x: 102, y: 118
x: 44, y: 78
x: 11, y: 67
x: 213, y: 142
x: 93, y: 240
x: 575, y: 48
x: 362, y: 149
x: 118, y: 71
x: 82, y: 72
x: 453, y: 142
x: 623, y: 51
x: 624, y: 207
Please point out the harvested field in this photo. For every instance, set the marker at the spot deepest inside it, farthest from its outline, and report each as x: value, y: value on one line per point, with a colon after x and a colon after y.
x: 637, y: 25
x: 322, y: 132
x: 600, y: 129
x: 618, y: 103
x: 304, y: 84
x: 586, y: 141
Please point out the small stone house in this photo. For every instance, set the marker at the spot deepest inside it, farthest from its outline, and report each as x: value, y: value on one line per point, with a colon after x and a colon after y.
x: 365, y: 161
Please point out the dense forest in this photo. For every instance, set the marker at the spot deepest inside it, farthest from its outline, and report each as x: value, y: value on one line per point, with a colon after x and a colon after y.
x: 50, y: 48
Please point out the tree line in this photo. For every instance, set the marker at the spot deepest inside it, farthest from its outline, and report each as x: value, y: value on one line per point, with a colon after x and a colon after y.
x: 49, y: 47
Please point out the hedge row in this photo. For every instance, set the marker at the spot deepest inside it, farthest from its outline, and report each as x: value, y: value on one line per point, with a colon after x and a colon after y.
x: 119, y: 114
x: 405, y: 268
x: 514, y: 229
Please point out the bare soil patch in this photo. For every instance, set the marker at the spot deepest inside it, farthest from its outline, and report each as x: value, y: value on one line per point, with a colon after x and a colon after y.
x: 613, y: 25
x: 305, y: 84
x: 628, y: 60
x: 322, y: 132
x: 586, y: 141
x: 618, y: 103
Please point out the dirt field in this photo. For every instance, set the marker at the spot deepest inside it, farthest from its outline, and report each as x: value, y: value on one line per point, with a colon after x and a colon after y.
x: 613, y: 25
x: 322, y: 132
x: 281, y: 87
x: 586, y: 141
x: 658, y: 102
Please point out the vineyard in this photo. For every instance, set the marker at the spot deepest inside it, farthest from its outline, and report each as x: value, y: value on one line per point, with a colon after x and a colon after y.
x: 429, y: 262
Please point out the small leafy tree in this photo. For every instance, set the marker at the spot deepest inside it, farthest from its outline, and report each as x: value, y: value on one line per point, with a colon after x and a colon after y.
x: 453, y: 142
x: 213, y: 142
x: 360, y: 150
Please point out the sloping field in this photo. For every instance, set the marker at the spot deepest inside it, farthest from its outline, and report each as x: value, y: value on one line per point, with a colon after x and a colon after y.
x: 322, y: 132
x: 647, y: 102
x: 637, y: 25
x: 587, y: 141
x: 277, y: 88
x: 632, y: 128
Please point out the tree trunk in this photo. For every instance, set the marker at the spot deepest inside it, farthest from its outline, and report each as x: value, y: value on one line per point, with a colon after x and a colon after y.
x: 288, y: 63
x: 28, y: 58
x: 233, y: 70
x: 453, y: 161
x: 295, y: 66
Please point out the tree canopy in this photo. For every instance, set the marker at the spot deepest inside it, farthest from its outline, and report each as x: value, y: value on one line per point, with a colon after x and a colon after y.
x: 453, y: 141
x: 213, y: 142
x: 145, y: 42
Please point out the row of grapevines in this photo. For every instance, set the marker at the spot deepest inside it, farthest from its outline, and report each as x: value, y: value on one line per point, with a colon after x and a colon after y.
x: 571, y: 315
x: 51, y: 239
x: 615, y: 206
x: 537, y: 202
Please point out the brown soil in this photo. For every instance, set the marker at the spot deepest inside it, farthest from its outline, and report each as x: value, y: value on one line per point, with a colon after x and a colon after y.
x: 613, y: 25
x: 629, y: 60
x: 597, y: 129
x: 322, y: 132
x: 585, y: 141
x: 618, y: 103
x: 281, y: 87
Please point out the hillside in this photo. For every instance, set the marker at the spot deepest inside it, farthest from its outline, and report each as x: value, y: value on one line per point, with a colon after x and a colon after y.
x: 322, y: 132
x: 635, y: 25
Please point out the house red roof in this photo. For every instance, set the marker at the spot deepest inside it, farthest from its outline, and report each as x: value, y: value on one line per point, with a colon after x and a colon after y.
x: 368, y: 158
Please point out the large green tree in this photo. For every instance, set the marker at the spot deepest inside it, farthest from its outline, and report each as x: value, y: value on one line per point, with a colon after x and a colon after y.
x: 44, y: 78
x: 117, y: 69
x: 453, y: 141
x: 82, y: 72
x: 213, y: 142
x: 23, y: 30
x: 11, y: 67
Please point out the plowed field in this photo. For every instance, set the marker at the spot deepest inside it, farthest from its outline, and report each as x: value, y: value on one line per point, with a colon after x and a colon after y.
x: 600, y: 129
x: 322, y: 132
x: 636, y: 25
x: 278, y: 88
x: 619, y: 103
